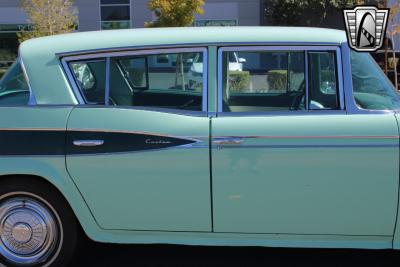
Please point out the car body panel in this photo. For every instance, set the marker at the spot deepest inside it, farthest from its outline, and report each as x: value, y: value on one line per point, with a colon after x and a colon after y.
x: 311, y: 174
x: 154, y: 188
x: 181, y: 206
x: 48, y: 167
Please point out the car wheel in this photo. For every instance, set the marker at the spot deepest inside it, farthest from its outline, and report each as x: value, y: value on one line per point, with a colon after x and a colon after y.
x: 37, y: 227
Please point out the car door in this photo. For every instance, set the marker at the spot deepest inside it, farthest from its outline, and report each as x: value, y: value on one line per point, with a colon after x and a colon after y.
x: 287, y: 158
x: 139, y: 151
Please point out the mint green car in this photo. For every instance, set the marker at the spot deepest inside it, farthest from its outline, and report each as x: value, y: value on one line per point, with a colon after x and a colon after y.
x: 114, y: 133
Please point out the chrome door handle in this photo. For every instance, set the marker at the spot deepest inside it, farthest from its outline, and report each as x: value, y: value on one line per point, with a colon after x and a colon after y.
x: 228, y: 141
x: 88, y: 143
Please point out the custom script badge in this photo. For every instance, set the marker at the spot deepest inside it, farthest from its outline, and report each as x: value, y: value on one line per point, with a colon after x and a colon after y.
x: 366, y: 27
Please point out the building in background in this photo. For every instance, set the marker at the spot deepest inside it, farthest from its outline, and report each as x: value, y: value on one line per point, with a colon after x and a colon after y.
x: 122, y: 14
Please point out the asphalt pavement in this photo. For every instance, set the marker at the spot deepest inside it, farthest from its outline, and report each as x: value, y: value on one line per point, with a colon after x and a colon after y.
x: 102, y: 255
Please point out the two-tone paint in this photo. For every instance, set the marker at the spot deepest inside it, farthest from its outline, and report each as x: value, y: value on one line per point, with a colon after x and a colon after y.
x: 206, y: 178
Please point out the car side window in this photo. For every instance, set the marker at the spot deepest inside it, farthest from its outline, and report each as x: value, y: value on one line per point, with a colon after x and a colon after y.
x: 262, y: 81
x: 323, y: 89
x: 259, y: 81
x: 371, y: 88
x: 14, y: 88
x: 169, y: 80
x: 90, y: 76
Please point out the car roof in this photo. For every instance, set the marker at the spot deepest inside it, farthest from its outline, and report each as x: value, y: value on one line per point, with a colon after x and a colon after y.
x: 93, y: 40
x: 40, y: 56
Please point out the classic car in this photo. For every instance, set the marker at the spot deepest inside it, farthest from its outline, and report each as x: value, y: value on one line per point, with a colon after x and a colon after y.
x: 298, y: 148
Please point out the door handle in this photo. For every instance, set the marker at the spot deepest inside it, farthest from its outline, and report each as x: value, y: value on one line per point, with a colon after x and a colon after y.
x: 228, y: 141
x: 88, y: 143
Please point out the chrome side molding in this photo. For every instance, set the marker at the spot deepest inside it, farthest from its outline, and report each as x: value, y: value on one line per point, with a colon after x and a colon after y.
x: 88, y: 143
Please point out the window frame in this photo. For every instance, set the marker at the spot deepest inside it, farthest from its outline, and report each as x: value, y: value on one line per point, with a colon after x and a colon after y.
x: 306, y: 49
x: 65, y: 62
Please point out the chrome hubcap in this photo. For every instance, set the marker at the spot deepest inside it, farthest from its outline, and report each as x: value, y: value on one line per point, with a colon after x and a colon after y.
x: 28, y: 231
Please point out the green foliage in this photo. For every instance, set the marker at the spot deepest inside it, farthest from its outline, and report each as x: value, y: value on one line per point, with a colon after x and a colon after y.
x: 239, y: 81
x: 295, y: 12
x: 48, y: 18
x: 277, y: 80
x: 174, y: 13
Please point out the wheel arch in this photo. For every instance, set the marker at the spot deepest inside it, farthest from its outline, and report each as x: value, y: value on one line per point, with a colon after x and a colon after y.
x: 69, y: 194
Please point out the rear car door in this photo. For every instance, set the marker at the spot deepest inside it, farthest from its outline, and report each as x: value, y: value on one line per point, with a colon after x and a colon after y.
x: 138, y: 149
x: 286, y: 156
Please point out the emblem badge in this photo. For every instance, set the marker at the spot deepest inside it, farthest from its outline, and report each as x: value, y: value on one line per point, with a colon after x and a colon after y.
x: 365, y: 27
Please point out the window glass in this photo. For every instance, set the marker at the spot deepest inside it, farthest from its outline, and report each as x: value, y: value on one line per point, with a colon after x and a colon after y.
x: 257, y: 81
x: 371, y: 88
x: 14, y: 89
x: 90, y: 77
x: 114, y: 2
x: 115, y: 14
x: 323, y: 89
x: 172, y: 81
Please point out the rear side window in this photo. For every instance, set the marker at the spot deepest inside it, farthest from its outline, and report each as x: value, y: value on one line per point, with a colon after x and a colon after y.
x: 165, y: 80
x: 171, y: 80
x: 261, y: 81
x: 90, y: 76
x: 14, y: 89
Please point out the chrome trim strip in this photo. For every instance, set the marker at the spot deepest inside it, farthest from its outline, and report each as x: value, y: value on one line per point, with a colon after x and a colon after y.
x: 80, y: 97
x: 205, y: 81
x: 305, y: 48
x: 307, y: 146
x: 107, y: 89
x: 313, y: 137
x: 72, y: 82
x: 189, y: 45
x: 306, y: 79
x: 340, y: 78
x: 32, y: 129
x: 191, y: 138
x: 32, y: 99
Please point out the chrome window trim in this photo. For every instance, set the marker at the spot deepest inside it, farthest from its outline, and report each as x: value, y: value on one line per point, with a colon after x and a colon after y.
x: 107, y: 56
x: 306, y: 49
x: 141, y: 108
x: 189, y: 45
x: 107, y: 89
x: 32, y: 98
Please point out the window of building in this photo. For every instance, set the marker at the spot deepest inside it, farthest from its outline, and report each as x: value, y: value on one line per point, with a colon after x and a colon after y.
x: 115, y: 14
x: 215, y: 22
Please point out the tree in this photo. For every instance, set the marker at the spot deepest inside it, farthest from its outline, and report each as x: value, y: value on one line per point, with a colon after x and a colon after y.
x: 48, y: 17
x: 174, y: 13
x: 302, y: 12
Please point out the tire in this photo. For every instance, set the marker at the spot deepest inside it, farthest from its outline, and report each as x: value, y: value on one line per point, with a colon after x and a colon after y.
x: 37, y: 226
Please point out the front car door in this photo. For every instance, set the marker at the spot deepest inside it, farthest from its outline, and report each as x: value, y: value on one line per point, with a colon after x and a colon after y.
x: 138, y: 148
x: 286, y: 156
